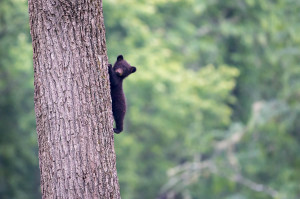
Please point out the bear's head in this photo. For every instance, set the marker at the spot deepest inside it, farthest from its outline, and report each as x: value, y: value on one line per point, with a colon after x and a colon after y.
x: 122, y: 68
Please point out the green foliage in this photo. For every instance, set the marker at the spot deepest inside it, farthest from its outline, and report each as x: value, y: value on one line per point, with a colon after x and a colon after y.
x: 19, y: 174
x: 184, y: 99
x: 167, y: 118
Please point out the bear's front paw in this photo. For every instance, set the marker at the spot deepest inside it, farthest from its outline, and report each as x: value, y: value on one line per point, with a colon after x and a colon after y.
x: 117, y: 131
x: 109, y: 67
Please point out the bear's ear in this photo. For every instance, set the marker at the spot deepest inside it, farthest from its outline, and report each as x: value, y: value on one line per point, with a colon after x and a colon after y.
x: 133, y: 69
x: 120, y: 57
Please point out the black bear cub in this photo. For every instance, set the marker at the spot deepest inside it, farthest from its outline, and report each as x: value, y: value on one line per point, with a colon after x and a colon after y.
x: 117, y: 74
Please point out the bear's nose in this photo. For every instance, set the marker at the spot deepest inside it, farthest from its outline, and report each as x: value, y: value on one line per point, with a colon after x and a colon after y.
x: 119, y: 72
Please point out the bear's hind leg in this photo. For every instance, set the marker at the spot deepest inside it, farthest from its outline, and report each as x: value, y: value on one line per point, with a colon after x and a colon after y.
x: 119, y: 122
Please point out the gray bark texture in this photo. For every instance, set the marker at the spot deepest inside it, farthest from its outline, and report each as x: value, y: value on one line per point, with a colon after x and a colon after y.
x: 72, y: 100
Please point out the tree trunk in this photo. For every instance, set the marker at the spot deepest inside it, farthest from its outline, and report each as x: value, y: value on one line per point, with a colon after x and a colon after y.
x: 72, y: 100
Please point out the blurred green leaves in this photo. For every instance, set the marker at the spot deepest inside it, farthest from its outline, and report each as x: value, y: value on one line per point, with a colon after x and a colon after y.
x: 185, y: 99
x: 19, y: 174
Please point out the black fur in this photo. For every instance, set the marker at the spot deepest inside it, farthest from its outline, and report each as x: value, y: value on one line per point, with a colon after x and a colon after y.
x: 117, y: 74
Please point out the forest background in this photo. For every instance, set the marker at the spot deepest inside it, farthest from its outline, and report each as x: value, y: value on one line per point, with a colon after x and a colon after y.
x: 213, y: 110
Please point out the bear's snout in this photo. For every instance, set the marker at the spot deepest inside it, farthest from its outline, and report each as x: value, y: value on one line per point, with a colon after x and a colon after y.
x: 119, y: 72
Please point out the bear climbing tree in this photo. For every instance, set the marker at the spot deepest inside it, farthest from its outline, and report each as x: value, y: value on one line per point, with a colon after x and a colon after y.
x: 117, y: 74
x: 72, y: 100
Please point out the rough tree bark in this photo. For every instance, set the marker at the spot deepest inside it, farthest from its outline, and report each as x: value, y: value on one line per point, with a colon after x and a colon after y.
x: 72, y: 100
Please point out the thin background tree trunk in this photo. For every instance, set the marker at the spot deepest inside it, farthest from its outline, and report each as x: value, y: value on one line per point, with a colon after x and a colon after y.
x: 72, y: 100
